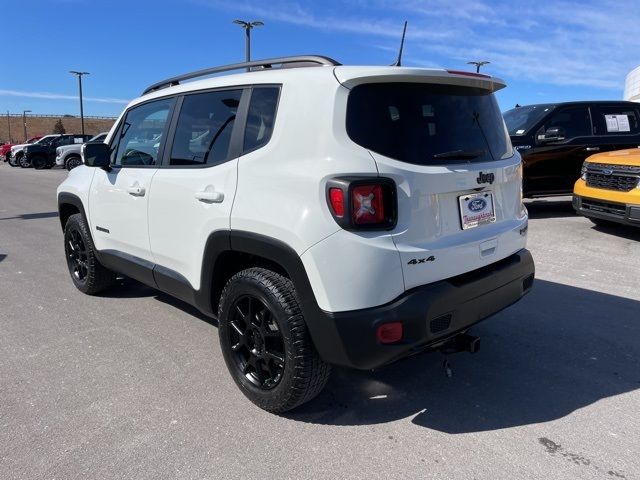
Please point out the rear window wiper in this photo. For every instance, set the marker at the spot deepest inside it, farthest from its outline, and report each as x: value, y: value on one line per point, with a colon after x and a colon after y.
x: 461, y: 154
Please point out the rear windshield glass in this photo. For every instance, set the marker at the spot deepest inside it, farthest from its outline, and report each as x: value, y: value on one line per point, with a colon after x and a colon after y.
x: 520, y: 120
x: 427, y: 124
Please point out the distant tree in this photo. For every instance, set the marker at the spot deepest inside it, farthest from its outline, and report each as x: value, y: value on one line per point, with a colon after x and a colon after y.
x: 59, y: 127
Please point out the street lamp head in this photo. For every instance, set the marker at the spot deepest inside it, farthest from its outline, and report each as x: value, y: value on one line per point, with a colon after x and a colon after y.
x: 26, y: 111
x: 249, y: 24
x: 74, y: 72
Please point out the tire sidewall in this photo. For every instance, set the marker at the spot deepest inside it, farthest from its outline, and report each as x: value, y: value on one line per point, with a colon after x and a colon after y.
x: 72, y: 162
x: 75, y: 224
x: 239, y: 287
x: 39, y: 162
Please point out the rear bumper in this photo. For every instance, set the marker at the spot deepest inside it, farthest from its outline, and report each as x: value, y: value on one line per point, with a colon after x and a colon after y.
x: 624, y: 213
x: 430, y: 314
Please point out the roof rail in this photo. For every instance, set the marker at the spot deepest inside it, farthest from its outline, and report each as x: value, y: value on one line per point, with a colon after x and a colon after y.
x: 284, y: 62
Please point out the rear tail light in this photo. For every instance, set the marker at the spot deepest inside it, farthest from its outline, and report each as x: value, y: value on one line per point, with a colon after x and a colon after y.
x: 389, y: 332
x: 368, y: 204
x: 361, y: 204
x: 336, y: 198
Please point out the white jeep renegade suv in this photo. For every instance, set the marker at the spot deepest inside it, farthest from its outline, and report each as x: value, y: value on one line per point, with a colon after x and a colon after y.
x: 327, y: 215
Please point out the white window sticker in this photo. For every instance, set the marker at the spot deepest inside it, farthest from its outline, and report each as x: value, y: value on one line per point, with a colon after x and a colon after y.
x: 617, y: 123
x: 78, y: 140
x: 519, y: 132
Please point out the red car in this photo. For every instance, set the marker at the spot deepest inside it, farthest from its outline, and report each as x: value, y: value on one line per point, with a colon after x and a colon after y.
x: 4, y: 149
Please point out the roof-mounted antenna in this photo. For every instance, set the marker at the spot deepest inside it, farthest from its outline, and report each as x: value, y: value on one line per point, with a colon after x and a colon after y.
x: 399, y: 61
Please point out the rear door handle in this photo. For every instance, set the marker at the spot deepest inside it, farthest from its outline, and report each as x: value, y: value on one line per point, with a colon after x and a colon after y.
x: 209, y: 196
x: 136, y: 190
x: 592, y: 149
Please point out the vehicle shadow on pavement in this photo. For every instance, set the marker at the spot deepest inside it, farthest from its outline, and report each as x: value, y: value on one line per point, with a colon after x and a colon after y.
x: 2, y: 256
x: 619, y: 230
x: 550, y: 208
x: 32, y: 216
x: 560, y: 349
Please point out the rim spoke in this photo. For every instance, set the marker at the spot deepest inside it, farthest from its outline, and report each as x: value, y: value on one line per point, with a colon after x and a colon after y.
x: 277, y: 358
x: 259, y: 372
x: 237, y: 329
x: 256, y: 342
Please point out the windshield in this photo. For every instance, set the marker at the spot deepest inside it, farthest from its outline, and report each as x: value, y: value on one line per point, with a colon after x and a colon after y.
x: 520, y: 120
x: 427, y: 124
x: 45, y: 140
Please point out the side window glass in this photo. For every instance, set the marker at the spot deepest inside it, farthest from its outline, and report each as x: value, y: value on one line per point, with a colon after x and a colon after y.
x: 615, y: 120
x: 261, y: 117
x: 575, y: 121
x: 141, y: 134
x: 203, y: 131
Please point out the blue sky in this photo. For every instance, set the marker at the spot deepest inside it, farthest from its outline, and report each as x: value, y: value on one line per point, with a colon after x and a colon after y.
x: 546, y: 51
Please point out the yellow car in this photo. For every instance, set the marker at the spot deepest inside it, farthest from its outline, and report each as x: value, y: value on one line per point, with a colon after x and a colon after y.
x: 609, y: 188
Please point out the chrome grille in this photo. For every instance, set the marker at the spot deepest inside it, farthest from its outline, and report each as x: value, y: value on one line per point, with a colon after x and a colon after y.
x: 623, y: 178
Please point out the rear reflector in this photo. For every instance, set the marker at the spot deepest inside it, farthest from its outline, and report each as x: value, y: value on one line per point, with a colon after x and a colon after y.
x: 336, y: 197
x: 389, y: 332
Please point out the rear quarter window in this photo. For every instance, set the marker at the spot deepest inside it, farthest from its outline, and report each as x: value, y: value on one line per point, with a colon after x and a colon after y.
x: 261, y: 117
x: 616, y: 120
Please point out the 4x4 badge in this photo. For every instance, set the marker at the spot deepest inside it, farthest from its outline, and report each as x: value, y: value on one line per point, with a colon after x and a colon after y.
x: 415, y: 261
x: 486, y: 178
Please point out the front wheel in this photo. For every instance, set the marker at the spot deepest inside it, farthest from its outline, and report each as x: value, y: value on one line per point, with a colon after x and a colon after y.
x: 39, y: 162
x: 73, y: 162
x: 23, y: 161
x: 87, y: 273
x: 265, y: 341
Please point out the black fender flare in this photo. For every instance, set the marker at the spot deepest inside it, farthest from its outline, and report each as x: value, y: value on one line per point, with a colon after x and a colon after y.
x: 66, y: 198
x: 323, y: 333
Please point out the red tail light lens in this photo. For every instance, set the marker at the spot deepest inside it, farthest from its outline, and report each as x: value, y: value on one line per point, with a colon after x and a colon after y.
x: 368, y: 204
x: 336, y: 197
x: 389, y: 332
x: 358, y: 203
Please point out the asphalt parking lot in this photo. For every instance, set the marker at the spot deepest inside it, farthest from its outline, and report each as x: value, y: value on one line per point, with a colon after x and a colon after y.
x: 132, y: 384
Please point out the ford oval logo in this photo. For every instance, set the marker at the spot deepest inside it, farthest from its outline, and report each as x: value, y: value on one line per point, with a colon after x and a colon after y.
x: 477, y: 204
x: 607, y: 171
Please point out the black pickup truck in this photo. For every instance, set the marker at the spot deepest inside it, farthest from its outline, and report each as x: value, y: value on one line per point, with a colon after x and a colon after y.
x: 555, y: 139
x: 43, y: 155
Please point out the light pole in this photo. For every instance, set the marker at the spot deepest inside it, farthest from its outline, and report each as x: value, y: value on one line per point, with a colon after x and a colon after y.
x: 9, y: 127
x: 479, y: 64
x: 79, y: 75
x: 248, y: 26
x: 24, y: 123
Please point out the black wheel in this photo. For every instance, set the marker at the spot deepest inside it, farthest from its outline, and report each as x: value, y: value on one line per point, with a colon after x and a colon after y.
x: 39, y: 162
x: 73, y: 162
x: 87, y: 273
x: 23, y: 161
x: 265, y: 341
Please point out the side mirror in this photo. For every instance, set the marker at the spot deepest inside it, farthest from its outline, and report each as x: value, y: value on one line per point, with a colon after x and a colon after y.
x: 552, y: 134
x: 96, y: 154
